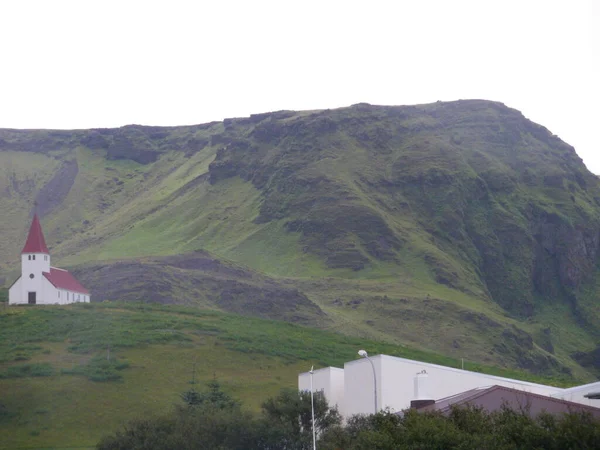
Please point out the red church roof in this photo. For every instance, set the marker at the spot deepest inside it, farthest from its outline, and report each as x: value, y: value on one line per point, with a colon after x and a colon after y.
x: 62, y: 279
x: 35, y: 240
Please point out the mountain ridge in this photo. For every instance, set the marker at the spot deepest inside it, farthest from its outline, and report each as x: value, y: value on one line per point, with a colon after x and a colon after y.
x: 464, y: 204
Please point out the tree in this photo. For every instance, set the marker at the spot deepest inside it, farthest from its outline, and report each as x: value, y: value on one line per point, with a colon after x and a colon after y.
x: 212, y: 420
x: 289, y: 418
x: 213, y: 396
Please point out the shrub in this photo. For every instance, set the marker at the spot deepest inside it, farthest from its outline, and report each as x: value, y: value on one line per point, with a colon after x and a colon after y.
x: 28, y: 370
x: 99, y: 369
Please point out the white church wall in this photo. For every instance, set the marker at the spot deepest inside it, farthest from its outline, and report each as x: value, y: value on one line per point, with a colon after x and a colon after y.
x: 51, y: 296
x: 33, y: 263
x: 46, y: 297
x: 46, y: 294
x: 80, y: 298
x: 69, y: 297
x: 65, y: 297
x: 14, y: 293
x: 32, y: 278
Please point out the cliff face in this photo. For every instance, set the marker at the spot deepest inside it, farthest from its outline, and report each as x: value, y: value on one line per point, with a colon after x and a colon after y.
x: 455, y: 215
x: 499, y: 196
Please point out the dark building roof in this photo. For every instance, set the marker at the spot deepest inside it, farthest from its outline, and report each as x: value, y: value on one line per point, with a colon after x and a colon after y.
x: 494, y: 397
x: 62, y: 279
x: 35, y: 242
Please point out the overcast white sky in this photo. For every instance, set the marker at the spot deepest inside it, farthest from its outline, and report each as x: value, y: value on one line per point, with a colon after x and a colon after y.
x: 83, y: 64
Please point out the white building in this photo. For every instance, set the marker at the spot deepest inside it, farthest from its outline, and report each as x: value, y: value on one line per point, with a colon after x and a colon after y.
x: 39, y: 283
x: 399, y: 381
x: 578, y: 394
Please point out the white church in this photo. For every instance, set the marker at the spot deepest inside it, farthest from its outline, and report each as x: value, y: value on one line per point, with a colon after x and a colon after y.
x: 39, y: 283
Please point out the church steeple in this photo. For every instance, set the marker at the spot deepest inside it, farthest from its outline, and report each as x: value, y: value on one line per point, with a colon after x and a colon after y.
x: 35, y: 239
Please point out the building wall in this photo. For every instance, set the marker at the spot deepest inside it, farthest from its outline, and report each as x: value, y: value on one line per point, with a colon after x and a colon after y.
x: 352, y: 388
x: 47, y: 294
x: 395, y: 383
x: 33, y: 267
x: 359, y: 395
x: 53, y: 296
x: 330, y: 380
x: 40, y: 264
x: 577, y: 394
x: 578, y: 397
x: 395, y: 380
x: 14, y: 293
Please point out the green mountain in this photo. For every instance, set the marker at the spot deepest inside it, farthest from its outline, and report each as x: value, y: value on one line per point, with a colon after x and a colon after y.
x: 457, y: 227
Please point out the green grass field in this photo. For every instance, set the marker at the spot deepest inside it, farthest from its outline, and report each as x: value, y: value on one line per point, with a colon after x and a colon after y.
x: 49, y: 400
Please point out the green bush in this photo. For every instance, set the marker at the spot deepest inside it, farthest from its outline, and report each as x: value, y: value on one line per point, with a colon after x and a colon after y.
x: 211, y: 419
x: 465, y: 428
x: 28, y: 370
x: 286, y: 423
x: 99, y: 369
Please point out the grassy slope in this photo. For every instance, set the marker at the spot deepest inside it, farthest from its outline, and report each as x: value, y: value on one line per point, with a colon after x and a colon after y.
x: 120, y: 208
x: 252, y: 359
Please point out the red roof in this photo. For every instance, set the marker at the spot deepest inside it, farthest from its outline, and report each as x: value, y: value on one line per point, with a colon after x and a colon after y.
x: 35, y: 240
x: 62, y: 279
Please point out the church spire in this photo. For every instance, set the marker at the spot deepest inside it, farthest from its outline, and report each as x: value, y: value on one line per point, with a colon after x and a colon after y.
x: 35, y: 240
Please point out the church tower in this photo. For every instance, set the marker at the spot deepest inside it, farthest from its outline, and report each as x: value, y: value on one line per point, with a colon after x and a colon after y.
x: 35, y: 260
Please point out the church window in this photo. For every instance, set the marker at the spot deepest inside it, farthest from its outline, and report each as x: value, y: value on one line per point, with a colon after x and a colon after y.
x: 31, y: 276
x: 29, y: 257
x: 33, y: 257
x: 58, y: 292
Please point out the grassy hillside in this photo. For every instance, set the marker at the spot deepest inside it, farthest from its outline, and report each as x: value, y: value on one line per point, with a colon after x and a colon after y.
x: 59, y: 390
x: 459, y: 227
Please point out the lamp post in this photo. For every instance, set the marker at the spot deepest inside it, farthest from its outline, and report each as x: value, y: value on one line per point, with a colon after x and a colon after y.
x: 364, y: 354
x: 312, y: 409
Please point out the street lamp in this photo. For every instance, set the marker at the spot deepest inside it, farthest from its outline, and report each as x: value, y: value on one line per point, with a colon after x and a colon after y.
x: 312, y: 409
x: 364, y: 354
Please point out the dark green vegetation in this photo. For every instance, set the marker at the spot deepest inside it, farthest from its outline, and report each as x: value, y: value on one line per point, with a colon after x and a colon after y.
x: 218, y: 422
x: 286, y: 423
x: 459, y: 227
x: 92, y: 367
x: 465, y: 428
